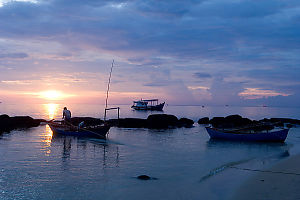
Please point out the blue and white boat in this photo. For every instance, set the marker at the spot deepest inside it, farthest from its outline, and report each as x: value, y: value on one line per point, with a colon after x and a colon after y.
x: 150, y: 104
x: 266, y: 136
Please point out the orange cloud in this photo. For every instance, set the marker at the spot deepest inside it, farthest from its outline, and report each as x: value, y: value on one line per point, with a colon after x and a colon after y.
x: 258, y: 93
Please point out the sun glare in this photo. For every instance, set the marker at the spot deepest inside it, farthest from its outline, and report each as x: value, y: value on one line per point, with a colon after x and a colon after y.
x: 52, y: 95
x: 52, y: 110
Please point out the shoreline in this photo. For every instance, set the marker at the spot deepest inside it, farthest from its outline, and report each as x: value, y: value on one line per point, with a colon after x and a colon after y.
x: 280, y: 181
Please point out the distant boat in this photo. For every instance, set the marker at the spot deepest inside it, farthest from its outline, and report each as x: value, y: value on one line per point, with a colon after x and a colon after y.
x: 92, y: 132
x: 150, y: 104
x: 267, y: 136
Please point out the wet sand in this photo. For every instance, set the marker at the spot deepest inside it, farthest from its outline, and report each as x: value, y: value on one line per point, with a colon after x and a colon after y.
x: 281, y: 182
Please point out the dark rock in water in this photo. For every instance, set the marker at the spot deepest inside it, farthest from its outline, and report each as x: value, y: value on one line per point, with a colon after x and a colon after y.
x: 161, y: 121
x: 128, y: 122
x: 132, y: 123
x: 230, y: 121
x: 153, y: 121
x: 285, y: 120
x: 217, y: 122
x: 185, y: 122
x: 88, y: 121
x: 4, y: 117
x: 113, y: 122
x: 204, y: 120
x: 24, y: 122
x: 237, y: 120
x: 9, y: 123
x: 281, y: 121
x: 145, y: 177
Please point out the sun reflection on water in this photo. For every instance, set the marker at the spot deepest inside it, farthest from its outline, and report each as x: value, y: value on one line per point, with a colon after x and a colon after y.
x: 52, y: 110
x: 46, y: 140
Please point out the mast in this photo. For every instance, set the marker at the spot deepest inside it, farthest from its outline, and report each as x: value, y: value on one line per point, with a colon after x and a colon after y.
x: 106, y: 100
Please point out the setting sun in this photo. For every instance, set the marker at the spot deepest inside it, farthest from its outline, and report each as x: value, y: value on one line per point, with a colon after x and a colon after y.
x: 52, y: 95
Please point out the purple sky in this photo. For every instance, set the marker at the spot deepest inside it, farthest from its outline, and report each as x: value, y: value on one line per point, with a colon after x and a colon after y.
x: 206, y: 52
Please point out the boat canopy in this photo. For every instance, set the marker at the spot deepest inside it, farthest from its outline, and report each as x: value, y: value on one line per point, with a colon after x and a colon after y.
x: 146, y: 100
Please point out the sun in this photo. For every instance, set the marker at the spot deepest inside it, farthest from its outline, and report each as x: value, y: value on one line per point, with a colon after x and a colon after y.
x: 52, y: 95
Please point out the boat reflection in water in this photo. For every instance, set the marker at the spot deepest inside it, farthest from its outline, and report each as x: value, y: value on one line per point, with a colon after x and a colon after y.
x: 77, y: 148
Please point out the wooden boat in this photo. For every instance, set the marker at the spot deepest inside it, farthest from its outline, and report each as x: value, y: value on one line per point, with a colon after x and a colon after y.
x: 268, y: 136
x: 150, y: 104
x: 94, y: 132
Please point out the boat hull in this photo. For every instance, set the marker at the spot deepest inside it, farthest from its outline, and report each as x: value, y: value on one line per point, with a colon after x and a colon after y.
x: 99, y: 132
x: 275, y: 136
x: 158, y: 107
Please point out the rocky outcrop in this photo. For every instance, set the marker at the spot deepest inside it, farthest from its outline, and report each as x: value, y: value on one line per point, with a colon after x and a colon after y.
x: 185, y: 122
x: 204, y: 120
x: 282, y: 120
x: 156, y: 121
x: 88, y: 121
x: 162, y: 121
x: 10, y: 123
x: 230, y: 121
x: 132, y: 123
x: 146, y: 177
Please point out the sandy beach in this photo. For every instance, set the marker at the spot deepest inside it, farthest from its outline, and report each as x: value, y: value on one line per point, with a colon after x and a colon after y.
x: 279, y: 182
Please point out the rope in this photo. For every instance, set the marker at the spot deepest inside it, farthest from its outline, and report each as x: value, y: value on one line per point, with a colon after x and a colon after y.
x: 84, y: 129
x: 267, y: 171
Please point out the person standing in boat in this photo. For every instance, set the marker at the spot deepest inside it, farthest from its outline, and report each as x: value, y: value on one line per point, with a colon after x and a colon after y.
x: 66, y: 116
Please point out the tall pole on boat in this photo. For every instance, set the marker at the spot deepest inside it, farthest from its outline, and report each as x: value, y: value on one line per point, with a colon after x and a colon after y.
x: 112, y: 65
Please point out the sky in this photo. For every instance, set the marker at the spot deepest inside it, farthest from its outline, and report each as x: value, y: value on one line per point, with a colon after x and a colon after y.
x: 192, y: 52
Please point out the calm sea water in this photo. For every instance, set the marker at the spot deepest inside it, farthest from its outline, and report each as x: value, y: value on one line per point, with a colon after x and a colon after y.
x: 187, y: 165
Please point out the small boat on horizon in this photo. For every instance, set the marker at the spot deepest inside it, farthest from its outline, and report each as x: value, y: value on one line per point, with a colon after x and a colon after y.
x: 70, y: 130
x: 252, y: 136
x: 149, y: 104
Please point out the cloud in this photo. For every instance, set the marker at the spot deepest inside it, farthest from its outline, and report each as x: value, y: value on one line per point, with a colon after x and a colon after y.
x: 258, y: 93
x: 232, y: 45
x: 202, y: 75
x: 18, y: 82
x: 13, y: 55
x: 198, y: 88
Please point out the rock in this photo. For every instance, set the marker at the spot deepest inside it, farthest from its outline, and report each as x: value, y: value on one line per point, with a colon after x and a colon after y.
x: 4, y: 117
x: 9, y: 123
x: 132, y: 123
x: 112, y: 122
x: 237, y: 121
x: 204, y: 120
x: 185, y: 122
x: 24, y: 122
x: 146, y: 177
x: 162, y: 121
x: 285, y: 120
x: 217, y: 122
x: 230, y: 121
x: 88, y: 121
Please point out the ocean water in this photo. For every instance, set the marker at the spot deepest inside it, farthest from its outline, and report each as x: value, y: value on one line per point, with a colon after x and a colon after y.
x: 185, y: 162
